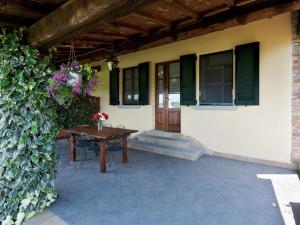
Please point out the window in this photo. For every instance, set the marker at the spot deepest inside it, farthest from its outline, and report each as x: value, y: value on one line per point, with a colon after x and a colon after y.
x: 216, y: 78
x: 174, y: 85
x: 131, y: 86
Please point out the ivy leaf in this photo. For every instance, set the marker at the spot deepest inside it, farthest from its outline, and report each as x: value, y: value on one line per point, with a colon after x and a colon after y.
x: 34, y: 128
x: 28, y: 161
x: 34, y: 159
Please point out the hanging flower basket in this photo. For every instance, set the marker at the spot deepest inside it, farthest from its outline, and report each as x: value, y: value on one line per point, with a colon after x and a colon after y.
x: 70, y: 81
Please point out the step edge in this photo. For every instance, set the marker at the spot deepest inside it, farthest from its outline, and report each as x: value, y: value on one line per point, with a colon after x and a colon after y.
x: 174, y: 154
x: 166, y: 138
x: 177, y: 149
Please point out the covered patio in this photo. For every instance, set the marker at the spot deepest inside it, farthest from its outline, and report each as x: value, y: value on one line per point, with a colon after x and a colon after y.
x: 213, y: 83
x: 154, y: 189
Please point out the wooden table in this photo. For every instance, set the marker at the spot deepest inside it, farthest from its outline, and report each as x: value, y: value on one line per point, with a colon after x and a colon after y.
x: 105, y: 135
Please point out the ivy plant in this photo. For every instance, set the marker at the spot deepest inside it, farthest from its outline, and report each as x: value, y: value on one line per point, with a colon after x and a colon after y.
x: 28, y: 127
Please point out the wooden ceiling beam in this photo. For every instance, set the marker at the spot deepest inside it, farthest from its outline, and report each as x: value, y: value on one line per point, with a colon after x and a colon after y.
x: 86, y: 42
x: 78, y: 16
x: 67, y: 47
x: 154, y: 19
x: 175, y: 4
x: 232, y: 18
x: 108, y: 35
x: 93, y: 37
x: 229, y: 3
x: 244, y: 2
x: 215, y: 11
x: 130, y: 26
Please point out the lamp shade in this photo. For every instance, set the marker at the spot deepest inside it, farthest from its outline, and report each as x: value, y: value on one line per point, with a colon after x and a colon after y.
x: 112, y: 63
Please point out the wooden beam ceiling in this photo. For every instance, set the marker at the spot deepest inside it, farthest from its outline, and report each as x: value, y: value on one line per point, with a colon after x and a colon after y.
x: 228, y: 19
x: 119, y: 25
x: 79, y: 16
x: 175, y: 4
x: 229, y: 3
x: 149, y: 17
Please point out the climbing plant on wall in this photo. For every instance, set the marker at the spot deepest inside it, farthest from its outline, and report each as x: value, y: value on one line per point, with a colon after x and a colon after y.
x: 28, y: 128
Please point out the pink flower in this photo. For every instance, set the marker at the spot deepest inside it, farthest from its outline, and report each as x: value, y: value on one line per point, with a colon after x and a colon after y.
x: 76, y: 90
x: 50, y: 89
x: 62, y: 68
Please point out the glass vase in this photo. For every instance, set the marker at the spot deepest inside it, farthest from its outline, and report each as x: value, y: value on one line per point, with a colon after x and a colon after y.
x: 100, y: 125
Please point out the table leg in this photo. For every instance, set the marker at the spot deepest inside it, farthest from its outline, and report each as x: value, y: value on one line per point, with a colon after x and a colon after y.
x: 103, y: 157
x: 73, y: 147
x: 124, y: 151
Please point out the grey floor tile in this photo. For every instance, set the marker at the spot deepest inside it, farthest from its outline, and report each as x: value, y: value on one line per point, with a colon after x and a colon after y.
x: 158, y: 190
x: 235, y: 219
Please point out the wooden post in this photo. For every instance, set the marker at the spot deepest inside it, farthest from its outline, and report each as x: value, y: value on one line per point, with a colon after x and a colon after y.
x: 124, y: 151
x: 73, y: 147
x: 103, y: 157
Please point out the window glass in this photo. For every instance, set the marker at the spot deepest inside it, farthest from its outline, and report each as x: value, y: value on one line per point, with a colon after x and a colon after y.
x: 131, y: 86
x: 216, y: 78
x: 160, y: 84
x: 174, y: 85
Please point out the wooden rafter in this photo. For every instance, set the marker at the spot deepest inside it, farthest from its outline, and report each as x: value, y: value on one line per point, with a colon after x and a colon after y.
x: 228, y: 19
x: 175, y: 4
x: 130, y: 26
x: 215, y: 11
x: 244, y: 2
x: 86, y: 42
x: 229, y: 3
x: 108, y: 35
x: 79, y: 16
x: 152, y: 18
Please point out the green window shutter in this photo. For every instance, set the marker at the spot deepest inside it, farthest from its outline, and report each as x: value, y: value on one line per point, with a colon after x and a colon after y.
x: 144, y: 83
x: 188, y: 79
x: 114, y: 87
x: 247, y: 74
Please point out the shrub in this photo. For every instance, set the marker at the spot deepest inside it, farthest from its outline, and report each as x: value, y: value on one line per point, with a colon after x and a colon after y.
x: 28, y: 128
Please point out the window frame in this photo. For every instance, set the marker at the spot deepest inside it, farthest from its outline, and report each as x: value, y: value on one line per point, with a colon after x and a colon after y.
x: 233, y: 79
x: 131, y: 102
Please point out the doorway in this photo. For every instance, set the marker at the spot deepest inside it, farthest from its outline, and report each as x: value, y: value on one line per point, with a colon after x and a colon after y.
x: 167, y: 96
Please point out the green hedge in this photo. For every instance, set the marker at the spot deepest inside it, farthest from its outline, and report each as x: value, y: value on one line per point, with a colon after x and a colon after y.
x: 28, y: 129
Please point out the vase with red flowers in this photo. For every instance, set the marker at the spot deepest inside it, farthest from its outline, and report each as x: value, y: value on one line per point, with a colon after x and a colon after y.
x: 100, y: 118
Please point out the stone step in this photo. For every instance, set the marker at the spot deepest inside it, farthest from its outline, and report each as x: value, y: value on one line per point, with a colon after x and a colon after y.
x: 166, y: 134
x: 192, y: 153
x: 166, y: 141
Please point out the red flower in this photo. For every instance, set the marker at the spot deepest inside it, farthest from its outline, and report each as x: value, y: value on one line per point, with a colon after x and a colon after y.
x: 105, y: 116
x: 97, y: 116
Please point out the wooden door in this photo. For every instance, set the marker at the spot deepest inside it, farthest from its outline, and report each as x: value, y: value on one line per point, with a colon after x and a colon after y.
x: 167, y: 96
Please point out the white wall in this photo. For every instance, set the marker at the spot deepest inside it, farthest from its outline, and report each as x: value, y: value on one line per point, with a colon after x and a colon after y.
x: 262, y: 131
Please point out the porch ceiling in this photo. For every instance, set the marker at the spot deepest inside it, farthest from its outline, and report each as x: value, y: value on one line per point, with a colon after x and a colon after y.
x: 100, y: 27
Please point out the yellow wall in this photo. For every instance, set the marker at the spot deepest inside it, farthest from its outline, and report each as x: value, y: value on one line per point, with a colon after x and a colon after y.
x: 262, y: 131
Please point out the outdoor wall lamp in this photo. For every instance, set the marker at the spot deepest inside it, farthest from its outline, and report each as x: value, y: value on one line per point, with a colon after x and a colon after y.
x: 112, y: 63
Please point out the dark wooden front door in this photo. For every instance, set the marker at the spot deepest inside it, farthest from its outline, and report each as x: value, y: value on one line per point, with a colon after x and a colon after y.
x: 167, y: 96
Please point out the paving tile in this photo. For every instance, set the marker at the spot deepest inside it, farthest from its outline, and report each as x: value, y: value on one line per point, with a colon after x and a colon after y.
x: 263, y: 219
x: 222, y: 206
x: 235, y: 219
x: 158, y: 190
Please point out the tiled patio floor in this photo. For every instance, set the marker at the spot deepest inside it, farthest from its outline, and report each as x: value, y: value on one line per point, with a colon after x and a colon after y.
x: 158, y: 190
